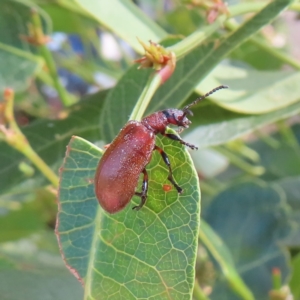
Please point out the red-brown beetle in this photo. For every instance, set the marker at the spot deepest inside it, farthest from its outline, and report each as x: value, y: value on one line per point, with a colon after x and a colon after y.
x: 125, y: 159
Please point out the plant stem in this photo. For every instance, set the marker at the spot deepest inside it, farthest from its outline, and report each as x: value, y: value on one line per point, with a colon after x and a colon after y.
x: 240, y: 147
x: 65, y: 97
x: 276, y: 279
x: 16, y: 139
x: 180, y: 49
x: 40, y: 164
x: 240, y: 163
x: 213, y: 243
x: 150, y: 88
x: 39, y: 39
x: 268, y: 139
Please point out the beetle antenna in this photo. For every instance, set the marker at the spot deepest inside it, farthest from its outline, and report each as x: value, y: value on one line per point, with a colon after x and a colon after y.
x: 204, y: 96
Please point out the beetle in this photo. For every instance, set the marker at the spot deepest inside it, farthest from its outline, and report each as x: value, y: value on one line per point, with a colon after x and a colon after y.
x: 119, y: 169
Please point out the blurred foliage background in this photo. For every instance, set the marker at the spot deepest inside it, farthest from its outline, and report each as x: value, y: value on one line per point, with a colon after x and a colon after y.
x: 76, y: 76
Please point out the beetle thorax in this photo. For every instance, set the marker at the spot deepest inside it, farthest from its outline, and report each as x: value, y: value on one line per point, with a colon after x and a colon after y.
x: 156, y: 122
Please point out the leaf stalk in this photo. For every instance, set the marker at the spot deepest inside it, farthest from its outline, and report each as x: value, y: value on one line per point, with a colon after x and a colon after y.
x: 13, y: 136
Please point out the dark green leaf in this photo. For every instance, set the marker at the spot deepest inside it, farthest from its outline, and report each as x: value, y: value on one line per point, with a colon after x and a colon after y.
x: 17, y: 68
x: 20, y: 223
x: 120, y: 102
x: 291, y: 187
x: 251, y: 219
x: 280, y: 162
x: 222, y: 255
x: 219, y: 126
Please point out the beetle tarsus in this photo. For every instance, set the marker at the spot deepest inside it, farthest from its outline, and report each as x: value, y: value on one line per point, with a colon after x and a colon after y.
x: 175, y: 137
x: 138, y: 207
x: 193, y: 147
x: 178, y: 188
x: 143, y: 201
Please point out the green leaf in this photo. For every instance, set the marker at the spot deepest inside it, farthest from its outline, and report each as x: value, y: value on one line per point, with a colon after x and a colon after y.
x: 294, y: 282
x: 197, y: 65
x: 120, y: 102
x: 76, y: 21
x: 252, y: 218
x: 251, y: 91
x: 291, y: 187
x: 134, y: 22
x: 280, y: 162
x: 193, y: 68
x: 218, y: 126
x: 49, y: 138
x: 17, y: 65
x: 17, y: 68
x: 221, y: 254
x: 20, y: 223
x: 14, y: 16
x: 131, y: 255
x: 257, y: 57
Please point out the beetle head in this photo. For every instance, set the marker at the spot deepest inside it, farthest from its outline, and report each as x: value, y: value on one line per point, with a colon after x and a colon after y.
x: 178, y: 117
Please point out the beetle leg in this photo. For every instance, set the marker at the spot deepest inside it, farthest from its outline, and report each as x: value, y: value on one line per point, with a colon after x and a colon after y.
x: 167, y: 162
x: 177, y: 138
x: 144, y: 192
